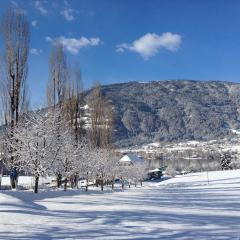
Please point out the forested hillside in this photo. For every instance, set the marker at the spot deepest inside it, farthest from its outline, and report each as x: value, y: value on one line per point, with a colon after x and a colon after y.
x: 171, y: 111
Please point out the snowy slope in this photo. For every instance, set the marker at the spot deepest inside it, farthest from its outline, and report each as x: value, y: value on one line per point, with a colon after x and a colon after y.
x: 25, y: 181
x: 211, y: 178
x: 185, y: 207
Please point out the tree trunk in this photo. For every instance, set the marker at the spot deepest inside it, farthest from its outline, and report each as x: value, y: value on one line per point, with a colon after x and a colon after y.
x: 113, y: 185
x: 59, y: 180
x: 86, y: 185
x: 122, y: 184
x: 72, y: 182
x: 14, y: 178
x: 1, y: 175
x: 36, y: 184
x: 65, y: 184
x: 12, y: 182
x: 97, y: 181
x: 76, y: 181
x: 17, y: 107
x: 141, y: 182
x: 102, y: 181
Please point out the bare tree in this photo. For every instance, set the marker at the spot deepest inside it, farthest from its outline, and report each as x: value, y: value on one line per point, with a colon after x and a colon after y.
x: 57, y: 75
x: 15, y: 35
x: 73, y: 104
x: 56, y: 89
x: 101, y: 119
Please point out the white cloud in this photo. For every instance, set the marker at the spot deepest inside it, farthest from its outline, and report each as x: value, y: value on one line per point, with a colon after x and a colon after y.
x: 120, y: 48
x: 34, y: 23
x: 150, y: 44
x: 48, y: 39
x: 68, y: 14
x: 38, y: 5
x: 14, y: 3
x: 73, y: 45
x: 35, y: 51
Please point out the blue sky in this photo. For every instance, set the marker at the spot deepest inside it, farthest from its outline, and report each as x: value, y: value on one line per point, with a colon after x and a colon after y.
x: 134, y: 40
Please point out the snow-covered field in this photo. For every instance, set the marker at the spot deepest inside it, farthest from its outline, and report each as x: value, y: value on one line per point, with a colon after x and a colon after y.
x: 185, y: 207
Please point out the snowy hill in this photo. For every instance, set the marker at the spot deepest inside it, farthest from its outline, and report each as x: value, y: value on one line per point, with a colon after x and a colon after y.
x: 212, y: 178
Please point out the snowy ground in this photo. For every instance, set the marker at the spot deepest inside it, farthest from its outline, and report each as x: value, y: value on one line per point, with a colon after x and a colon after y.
x: 185, y: 207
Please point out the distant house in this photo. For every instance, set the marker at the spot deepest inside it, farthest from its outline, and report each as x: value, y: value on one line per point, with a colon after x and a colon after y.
x: 157, y: 172
x: 131, y: 159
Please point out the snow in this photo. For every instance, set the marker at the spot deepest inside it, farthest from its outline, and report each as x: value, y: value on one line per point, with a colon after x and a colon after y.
x: 184, y: 207
x: 235, y: 131
x: 86, y: 107
x: 201, y: 179
x: 26, y: 182
x: 154, y: 170
x: 131, y: 158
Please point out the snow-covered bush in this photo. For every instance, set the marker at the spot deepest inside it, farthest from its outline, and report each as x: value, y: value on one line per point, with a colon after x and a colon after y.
x: 226, y: 161
x: 170, y: 171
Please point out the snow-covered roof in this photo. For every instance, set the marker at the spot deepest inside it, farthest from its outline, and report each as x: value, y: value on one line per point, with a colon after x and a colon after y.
x: 155, y: 170
x: 130, y: 158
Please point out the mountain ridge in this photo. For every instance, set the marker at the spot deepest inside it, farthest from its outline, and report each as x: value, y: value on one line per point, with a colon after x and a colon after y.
x: 173, y: 110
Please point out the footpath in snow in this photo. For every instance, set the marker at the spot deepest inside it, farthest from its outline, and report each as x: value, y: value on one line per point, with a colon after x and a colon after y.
x: 185, y: 207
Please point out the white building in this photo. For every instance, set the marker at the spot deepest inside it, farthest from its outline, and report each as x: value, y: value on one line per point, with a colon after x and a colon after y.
x: 130, y: 159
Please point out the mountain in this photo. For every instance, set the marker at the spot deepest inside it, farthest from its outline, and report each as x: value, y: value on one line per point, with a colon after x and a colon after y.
x: 173, y: 111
